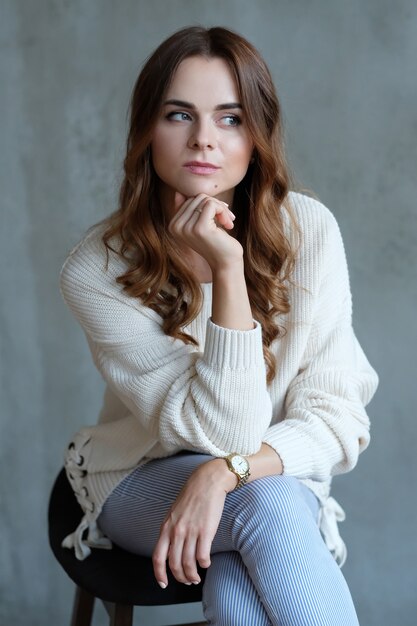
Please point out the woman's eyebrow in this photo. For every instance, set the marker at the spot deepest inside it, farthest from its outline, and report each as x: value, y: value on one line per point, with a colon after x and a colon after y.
x: 191, y: 106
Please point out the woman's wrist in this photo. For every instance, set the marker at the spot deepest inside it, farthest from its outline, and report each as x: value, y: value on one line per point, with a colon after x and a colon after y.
x: 233, y: 270
x: 265, y: 462
x: 220, y: 474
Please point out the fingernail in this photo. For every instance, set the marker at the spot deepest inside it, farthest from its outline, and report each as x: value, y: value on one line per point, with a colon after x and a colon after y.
x: 161, y: 584
x: 187, y: 583
x: 232, y: 214
x: 196, y: 582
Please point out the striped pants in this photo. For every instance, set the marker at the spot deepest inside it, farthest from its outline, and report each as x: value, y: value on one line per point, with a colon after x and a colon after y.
x: 269, y: 564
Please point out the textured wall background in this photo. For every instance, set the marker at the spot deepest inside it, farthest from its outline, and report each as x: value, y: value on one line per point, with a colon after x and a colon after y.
x: 346, y: 75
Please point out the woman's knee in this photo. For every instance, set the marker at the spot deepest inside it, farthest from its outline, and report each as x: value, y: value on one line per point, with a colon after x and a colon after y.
x: 272, y: 498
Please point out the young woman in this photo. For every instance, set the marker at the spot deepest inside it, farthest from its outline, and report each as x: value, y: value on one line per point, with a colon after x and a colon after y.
x: 217, y: 307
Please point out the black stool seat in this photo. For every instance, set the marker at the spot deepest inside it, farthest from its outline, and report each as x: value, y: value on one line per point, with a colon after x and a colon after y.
x: 114, y: 576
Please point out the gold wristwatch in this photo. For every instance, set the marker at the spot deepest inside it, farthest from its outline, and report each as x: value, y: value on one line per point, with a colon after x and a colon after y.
x: 239, y: 466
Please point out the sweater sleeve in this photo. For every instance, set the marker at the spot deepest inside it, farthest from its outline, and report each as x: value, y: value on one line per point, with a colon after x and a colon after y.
x: 325, y: 425
x: 214, y: 401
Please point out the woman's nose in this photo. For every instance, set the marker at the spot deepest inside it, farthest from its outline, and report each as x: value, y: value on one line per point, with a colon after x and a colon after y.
x: 202, y: 136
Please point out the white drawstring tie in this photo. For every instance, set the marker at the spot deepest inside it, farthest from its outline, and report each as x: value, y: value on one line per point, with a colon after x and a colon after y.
x: 330, y: 513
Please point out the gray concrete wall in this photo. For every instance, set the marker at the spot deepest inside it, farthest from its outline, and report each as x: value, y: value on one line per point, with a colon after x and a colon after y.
x: 346, y: 74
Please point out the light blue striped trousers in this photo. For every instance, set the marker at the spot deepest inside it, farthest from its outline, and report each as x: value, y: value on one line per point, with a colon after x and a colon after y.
x: 269, y: 564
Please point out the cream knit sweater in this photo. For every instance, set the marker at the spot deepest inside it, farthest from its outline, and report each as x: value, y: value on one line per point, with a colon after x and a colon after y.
x: 163, y: 396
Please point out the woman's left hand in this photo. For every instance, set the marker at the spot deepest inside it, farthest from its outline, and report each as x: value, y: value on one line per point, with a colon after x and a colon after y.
x: 191, y: 524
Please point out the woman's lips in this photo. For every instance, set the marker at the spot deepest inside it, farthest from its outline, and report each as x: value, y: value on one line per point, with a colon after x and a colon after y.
x: 197, y: 167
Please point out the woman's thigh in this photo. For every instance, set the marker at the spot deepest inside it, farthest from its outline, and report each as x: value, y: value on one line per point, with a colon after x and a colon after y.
x: 133, y: 513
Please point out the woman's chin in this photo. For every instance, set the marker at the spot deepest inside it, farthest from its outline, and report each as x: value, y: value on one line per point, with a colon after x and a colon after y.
x: 193, y: 188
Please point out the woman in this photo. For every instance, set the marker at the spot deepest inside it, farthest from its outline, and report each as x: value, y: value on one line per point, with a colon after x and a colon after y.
x: 217, y: 307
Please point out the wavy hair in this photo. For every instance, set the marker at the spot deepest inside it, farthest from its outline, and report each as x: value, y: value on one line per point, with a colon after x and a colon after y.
x: 138, y: 232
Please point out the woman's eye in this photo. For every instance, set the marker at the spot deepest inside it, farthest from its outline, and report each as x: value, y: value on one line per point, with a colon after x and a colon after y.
x: 178, y: 116
x: 231, y: 120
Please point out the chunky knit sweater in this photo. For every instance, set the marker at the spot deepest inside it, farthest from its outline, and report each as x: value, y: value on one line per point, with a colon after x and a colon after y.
x: 164, y: 396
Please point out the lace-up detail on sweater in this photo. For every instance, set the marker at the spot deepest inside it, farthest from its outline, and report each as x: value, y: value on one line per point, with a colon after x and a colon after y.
x: 77, y: 474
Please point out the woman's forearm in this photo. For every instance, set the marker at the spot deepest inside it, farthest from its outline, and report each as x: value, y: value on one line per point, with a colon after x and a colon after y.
x: 266, y: 462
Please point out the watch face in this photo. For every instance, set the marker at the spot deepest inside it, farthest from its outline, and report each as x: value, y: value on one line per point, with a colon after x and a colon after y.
x: 240, y: 464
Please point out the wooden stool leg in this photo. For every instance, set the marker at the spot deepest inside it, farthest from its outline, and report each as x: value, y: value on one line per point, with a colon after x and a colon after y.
x: 122, y: 615
x: 82, y: 610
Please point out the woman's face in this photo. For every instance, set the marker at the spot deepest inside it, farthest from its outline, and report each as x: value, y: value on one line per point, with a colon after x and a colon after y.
x: 201, y: 143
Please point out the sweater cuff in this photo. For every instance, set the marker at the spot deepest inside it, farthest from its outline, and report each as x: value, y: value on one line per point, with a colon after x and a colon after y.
x: 233, y: 349
x: 293, y: 448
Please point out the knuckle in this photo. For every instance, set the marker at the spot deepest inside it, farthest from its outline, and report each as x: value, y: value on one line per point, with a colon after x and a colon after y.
x: 187, y: 230
x: 191, y: 573
x: 204, y: 559
x: 173, y: 229
x: 178, y: 532
x: 199, y: 229
x: 188, y: 564
x: 177, y: 572
x: 157, y: 559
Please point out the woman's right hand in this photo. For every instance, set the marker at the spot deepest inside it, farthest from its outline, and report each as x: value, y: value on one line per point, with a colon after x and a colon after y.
x: 190, y: 526
x: 200, y: 223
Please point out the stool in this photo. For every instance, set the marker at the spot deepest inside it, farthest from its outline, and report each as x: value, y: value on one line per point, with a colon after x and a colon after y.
x: 121, y: 580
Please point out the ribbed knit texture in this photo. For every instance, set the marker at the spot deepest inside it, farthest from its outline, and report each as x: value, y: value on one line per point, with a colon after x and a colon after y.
x: 164, y: 396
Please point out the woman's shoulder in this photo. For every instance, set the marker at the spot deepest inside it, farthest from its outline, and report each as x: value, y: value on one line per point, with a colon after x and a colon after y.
x: 317, y: 225
x: 90, y: 263
x: 310, y: 213
x: 320, y: 247
x: 88, y: 279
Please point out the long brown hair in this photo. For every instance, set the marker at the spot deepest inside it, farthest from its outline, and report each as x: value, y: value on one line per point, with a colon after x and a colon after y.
x: 137, y: 231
